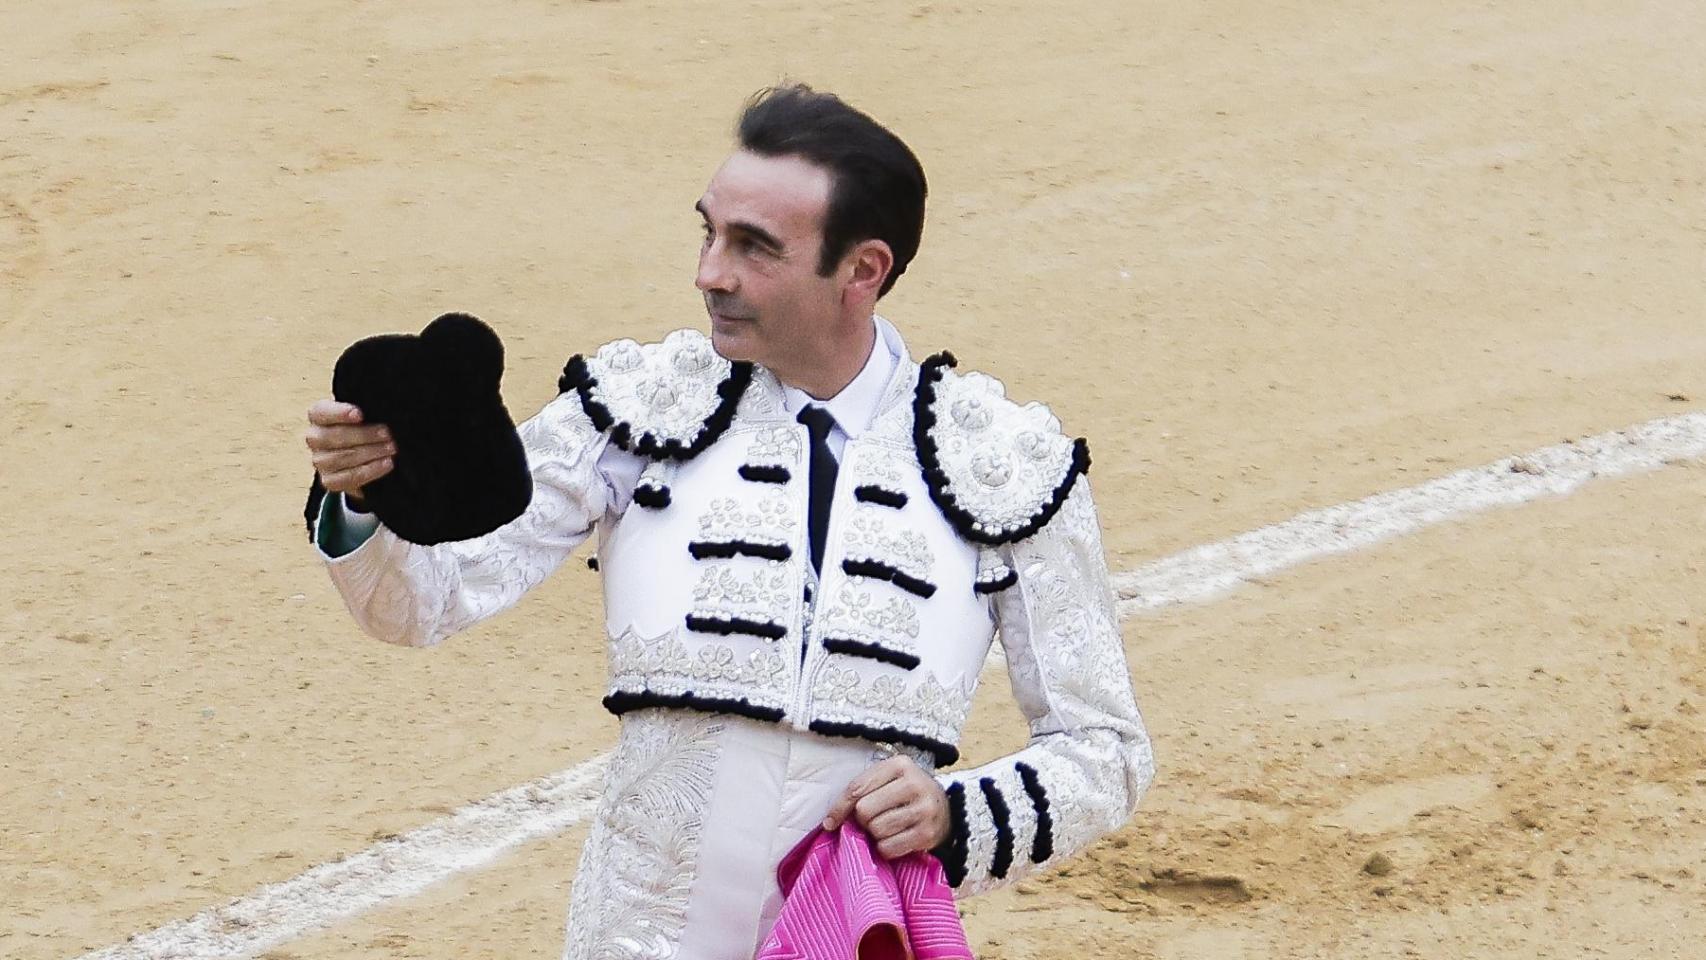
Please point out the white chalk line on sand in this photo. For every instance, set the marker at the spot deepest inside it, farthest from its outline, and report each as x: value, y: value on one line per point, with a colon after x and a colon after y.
x: 1202, y: 573
x: 394, y: 868
x: 480, y: 832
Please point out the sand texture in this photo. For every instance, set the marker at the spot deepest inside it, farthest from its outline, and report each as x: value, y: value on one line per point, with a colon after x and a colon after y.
x: 1266, y: 256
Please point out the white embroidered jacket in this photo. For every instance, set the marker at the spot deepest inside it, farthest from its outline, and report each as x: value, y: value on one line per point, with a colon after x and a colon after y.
x: 957, y: 517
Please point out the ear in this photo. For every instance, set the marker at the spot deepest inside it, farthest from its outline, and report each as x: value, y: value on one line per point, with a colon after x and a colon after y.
x: 868, y: 264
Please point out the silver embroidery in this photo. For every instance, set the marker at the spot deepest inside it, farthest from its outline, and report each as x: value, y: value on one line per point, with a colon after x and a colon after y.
x: 1003, y: 461
x: 853, y: 614
x: 990, y: 568
x: 1070, y: 677
x: 763, y: 594
x: 637, y: 868
x: 846, y: 695
x: 665, y: 665
x: 870, y: 536
x: 763, y: 397
x: 666, y: 390
x: 885, y: 467
x: 780, y: 446
x: 657, y: 473
x: 769, y: 520
x: 764, y: 589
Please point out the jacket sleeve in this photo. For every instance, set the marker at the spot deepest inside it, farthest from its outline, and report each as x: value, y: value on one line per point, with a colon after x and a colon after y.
x: 1088, y: 761
x: 415, y: 595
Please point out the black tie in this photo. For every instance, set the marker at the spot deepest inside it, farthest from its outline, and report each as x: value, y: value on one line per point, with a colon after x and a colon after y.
x: 823, y: 468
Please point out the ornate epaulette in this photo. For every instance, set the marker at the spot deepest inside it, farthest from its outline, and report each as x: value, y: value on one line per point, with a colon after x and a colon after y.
x: 666, y: 401
x: 997, y: 470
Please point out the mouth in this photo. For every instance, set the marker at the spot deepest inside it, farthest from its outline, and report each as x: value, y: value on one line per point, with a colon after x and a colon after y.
x: 728, y: 319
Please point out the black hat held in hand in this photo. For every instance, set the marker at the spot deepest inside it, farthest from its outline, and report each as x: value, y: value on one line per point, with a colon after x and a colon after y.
x: 459, y: 471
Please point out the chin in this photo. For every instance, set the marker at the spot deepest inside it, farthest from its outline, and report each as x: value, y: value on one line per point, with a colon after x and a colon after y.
x: 737, y: 345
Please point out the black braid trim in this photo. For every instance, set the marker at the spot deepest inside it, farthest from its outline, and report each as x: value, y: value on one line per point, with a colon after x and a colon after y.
x: 870, y: 651
x: 623, y: 701
x: 945, y: 754
x: 952, y: 851
x: 577, y: 377
x: 729, y: 625
x: 878, y: 570
x: 870, y: 493
x: 764, y: 473
x: 936, y: 480
x: 998, y: 584
x: 311, y: 512
x: 1043, y: 846
x: 1003, y: 830
x: 723, y: 549
x: 650, y: 497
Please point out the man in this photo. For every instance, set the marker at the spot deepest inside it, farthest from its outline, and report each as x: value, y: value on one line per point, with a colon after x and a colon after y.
x: 808, y: 542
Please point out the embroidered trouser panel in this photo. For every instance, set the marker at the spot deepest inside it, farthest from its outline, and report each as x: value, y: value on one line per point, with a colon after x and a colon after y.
x: 680, y: 862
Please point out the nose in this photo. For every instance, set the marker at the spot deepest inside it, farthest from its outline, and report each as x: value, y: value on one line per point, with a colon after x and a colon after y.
x: 714, y: 275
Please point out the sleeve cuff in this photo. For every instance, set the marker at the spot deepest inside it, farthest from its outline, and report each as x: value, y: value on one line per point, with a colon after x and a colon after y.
x: 341, y: 530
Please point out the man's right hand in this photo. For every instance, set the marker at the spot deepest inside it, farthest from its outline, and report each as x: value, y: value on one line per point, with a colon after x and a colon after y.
x: 347, y: 453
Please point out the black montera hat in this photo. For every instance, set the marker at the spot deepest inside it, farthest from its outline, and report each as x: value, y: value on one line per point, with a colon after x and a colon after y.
x: 460, y: 470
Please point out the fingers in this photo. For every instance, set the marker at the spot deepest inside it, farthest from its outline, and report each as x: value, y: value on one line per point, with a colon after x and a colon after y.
x: 891, y: 796
x: 909, y: 841
x: 875, y: 776
x: 352, y: 480
x: 839, y: 810
x: 346, y: 453
x: 331, y: 413
x: 320, y: 437
x: 349, y: 458
x: 896, y: 820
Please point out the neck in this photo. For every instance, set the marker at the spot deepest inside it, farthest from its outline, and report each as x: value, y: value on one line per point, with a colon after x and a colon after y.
x: 839, y: 365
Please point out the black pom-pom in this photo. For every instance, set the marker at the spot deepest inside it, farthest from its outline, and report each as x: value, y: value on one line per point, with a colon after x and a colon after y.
x: 650, y: 497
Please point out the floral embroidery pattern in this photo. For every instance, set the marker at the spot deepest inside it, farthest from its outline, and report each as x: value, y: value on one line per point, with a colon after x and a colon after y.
x: 869, y: 536
x: 666, y: 666
x: 769, y: 520
x: 641, y: 856
x: 853, y: 614
x: 927, y: 710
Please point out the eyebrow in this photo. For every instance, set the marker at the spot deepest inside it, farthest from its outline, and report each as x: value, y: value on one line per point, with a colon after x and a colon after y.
x: 757, y: 232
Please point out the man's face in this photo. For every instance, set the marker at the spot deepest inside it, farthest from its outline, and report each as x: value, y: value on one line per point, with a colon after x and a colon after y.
x: 758, y: 263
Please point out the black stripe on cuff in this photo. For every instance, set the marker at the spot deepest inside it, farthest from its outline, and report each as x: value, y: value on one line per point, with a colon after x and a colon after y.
x: 952, y: 851
x: 1043, y: 846
x: 1003, y: 829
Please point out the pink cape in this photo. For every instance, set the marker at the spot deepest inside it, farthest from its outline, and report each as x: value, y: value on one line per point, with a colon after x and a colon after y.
x: 842, y: 901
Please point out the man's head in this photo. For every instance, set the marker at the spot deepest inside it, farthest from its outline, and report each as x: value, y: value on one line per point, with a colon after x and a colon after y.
x: 807, y: 224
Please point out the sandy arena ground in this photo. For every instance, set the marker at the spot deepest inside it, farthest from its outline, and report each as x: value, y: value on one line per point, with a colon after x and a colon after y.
x: 1266, y: 256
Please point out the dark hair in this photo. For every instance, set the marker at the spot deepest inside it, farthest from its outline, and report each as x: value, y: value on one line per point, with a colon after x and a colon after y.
x: 877, y: 185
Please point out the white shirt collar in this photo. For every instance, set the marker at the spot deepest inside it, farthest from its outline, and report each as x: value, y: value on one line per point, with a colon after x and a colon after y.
x: 855, y: 407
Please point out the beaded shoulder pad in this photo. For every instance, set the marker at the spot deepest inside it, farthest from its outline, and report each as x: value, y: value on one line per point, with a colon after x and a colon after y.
x: 666, y: 401
x: 997, y: 470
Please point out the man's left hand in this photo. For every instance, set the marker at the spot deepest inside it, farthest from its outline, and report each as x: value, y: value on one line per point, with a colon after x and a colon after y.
x: 901, y: 806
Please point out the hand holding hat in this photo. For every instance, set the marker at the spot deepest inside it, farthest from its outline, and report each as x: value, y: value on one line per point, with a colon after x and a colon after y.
x: 459, y: 470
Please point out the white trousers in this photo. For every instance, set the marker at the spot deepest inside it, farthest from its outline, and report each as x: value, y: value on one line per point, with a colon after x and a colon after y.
x: 698, y: 810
